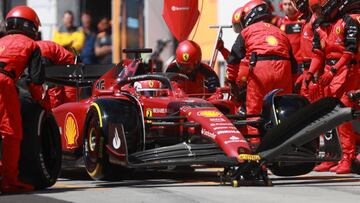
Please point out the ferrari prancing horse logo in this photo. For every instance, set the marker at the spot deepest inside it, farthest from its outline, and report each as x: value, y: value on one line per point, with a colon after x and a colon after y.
x: 338, y: 30
x: 186, y: 56
x: 148, y: 112
x: 151, y: 83
x: 237, y: 16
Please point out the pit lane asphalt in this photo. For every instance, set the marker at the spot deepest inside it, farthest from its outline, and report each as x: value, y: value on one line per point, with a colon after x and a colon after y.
x: 201, y: 186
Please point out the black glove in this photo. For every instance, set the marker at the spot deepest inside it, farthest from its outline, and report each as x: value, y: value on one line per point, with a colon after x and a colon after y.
x: 309, y: 77
x: 236, y: 91
x: 211, y: 83
x: 354, y: 95
x: 220, y: 45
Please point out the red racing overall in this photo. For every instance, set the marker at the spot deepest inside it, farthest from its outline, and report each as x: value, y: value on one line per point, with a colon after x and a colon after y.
x: 292, y: 28
x: 306, y: 47
x: 17, y: 52
x: 53, y: 53
x: 267, y: 49
x: 341, y: 75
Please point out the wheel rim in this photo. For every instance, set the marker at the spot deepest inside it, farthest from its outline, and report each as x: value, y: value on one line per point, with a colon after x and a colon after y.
x: 92, y: 139
x: 91, y: 146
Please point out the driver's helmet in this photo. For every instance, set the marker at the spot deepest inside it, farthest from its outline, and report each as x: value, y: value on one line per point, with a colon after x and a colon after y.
x: 148, y: 88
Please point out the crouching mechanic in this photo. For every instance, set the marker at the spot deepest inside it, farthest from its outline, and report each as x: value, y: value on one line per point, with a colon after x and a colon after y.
x: 268, y: 51
x: 18, y: 50
x: 53, y: 53
x: 202, y: 79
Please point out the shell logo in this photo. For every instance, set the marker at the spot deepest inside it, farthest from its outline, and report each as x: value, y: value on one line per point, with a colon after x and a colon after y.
x: 358, y: 19
x: 71, y: 131
x: 186, y: 56
x: 272, y: 41
x: 237, y: 16
x: 209, y: 113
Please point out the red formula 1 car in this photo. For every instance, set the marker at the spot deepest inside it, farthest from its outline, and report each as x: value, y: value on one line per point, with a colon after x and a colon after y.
x: 137, y: 119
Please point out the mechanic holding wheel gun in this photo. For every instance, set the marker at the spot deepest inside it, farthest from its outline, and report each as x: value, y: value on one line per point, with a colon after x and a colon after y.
x: 268, y: 51
x: 54, y: 54
x: 18, y: 50
x: 188, y: 62
x: 235, y: 70
x: 339, y: 49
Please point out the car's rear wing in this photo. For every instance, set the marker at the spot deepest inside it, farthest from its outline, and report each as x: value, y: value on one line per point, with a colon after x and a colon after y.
x: 77, y: 75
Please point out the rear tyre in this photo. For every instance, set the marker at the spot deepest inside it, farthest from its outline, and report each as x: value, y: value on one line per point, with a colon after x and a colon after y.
x: 296, y: 169
x: 40, y: 159
x: 291, y: 169
x: 355, y: 166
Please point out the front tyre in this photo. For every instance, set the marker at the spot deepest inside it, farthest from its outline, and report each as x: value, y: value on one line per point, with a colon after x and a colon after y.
x: 95, y: 157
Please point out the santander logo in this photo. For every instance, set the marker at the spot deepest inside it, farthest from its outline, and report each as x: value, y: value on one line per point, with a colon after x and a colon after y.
x: 176, y: 8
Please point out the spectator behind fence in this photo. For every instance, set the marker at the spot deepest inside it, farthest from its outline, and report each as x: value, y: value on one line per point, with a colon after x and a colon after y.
x: 103, y: 45
x: 88, y: 51
x: 68, y: 35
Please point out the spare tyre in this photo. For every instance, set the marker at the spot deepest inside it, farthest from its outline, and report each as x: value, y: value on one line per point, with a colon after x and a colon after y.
x: 40, y: 159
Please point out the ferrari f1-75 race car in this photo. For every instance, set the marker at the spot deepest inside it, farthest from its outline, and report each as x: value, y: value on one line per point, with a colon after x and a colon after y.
x: 123, y: 125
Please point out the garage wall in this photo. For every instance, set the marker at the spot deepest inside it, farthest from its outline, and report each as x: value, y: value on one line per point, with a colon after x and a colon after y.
x: 46, y: 10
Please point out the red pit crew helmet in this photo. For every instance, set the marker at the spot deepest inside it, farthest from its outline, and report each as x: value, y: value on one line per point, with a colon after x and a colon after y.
x: 23, y: 19
x: 254, y: 11
x: 188, y: 56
